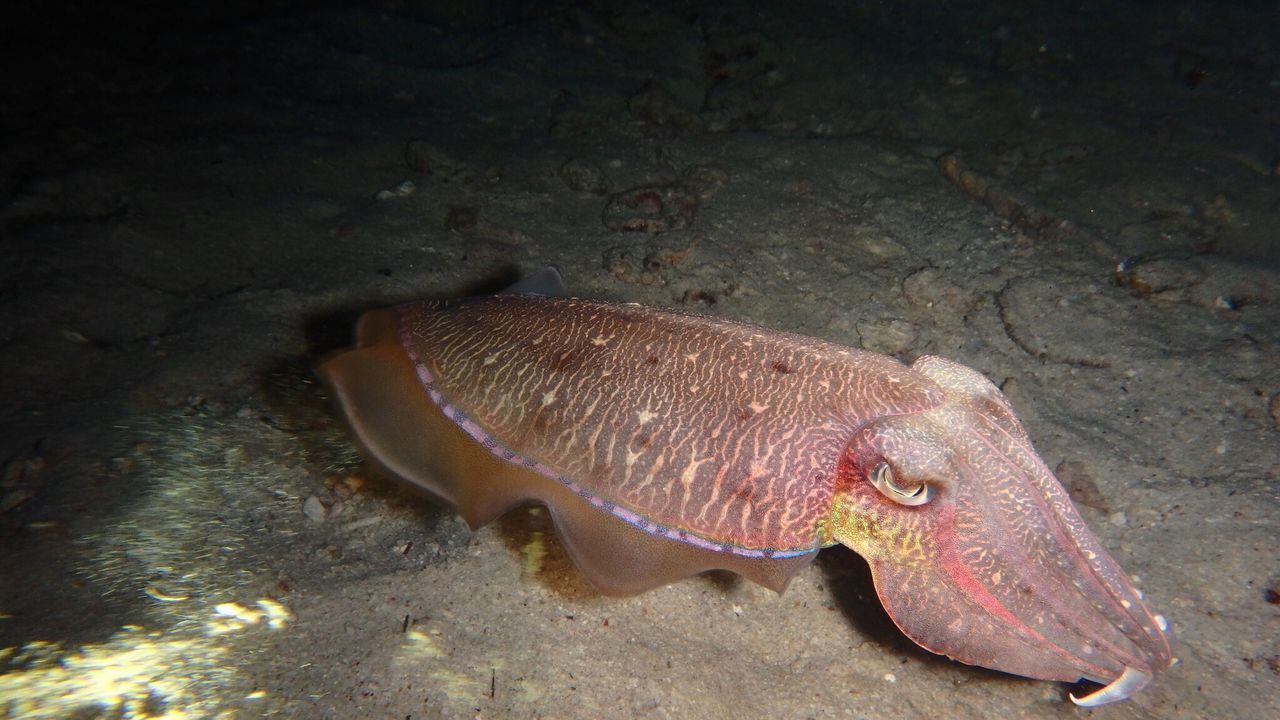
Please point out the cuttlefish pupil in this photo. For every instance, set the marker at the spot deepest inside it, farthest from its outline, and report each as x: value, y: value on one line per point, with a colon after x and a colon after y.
x: 883, y: 478
x: 665, y: 444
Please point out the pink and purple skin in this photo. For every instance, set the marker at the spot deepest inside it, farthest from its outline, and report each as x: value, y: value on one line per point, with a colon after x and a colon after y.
x: 666, y: 444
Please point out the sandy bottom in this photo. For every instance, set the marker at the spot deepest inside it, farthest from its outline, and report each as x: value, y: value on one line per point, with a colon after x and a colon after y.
x: 196, y: 206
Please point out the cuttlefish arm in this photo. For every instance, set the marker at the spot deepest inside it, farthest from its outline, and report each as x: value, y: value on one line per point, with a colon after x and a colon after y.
x: 666, y: 444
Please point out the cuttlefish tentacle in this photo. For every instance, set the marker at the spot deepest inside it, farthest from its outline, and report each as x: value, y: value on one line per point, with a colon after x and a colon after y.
x: 666, y: 444
x: 1130, y: 681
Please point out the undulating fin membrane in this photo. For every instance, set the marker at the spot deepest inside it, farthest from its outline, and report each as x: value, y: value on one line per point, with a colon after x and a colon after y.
x: 409, y: 437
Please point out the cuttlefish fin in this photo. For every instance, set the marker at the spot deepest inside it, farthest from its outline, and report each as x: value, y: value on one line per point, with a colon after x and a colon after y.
x: 410, y: 438
x: 391, y: 417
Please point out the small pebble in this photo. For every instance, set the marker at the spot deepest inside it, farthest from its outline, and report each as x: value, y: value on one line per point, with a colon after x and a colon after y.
x: 404, y: 189
x: 584, y: 178
x: 15, y: 497
x: 313, y: 508
x: 1272, y: 593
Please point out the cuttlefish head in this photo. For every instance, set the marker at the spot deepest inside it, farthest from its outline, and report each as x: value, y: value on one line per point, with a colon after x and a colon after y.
x: 977, y: 552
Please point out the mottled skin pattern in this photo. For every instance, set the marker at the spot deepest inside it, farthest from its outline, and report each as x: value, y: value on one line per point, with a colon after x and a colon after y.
x: 667, y: 444
x: 719, y: 429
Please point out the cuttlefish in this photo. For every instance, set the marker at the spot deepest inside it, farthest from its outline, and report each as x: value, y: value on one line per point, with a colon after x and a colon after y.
x: 665, y: 444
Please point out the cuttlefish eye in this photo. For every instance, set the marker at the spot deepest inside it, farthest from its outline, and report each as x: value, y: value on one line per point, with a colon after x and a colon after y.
x: 882, y: 477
